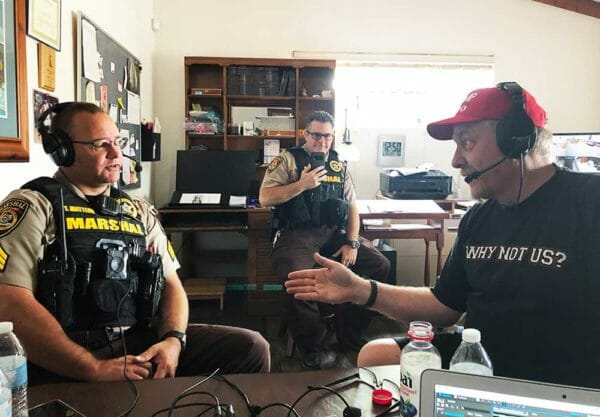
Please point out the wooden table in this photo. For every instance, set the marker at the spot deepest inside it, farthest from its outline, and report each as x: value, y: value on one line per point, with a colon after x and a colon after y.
x: 427, y: 210
x: 110, y: 399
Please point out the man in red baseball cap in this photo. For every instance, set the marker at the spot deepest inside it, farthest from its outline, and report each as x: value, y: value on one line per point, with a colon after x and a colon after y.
x: 525, y: 265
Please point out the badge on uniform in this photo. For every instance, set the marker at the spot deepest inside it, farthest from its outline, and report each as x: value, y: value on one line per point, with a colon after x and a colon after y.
x: 11, y: 213
x: 336, y: 166
x: 275, y: 163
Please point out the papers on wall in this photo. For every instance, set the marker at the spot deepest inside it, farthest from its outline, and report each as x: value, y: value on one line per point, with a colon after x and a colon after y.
x: 200, y: 198
x: 271, y: 150
x: 133, y: 110
x: 91, y: 70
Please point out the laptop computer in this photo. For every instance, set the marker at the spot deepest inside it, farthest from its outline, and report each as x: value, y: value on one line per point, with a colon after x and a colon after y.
x: 445, y: 393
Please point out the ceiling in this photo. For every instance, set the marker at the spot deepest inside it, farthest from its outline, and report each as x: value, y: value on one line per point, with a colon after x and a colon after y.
x: 587, y: 7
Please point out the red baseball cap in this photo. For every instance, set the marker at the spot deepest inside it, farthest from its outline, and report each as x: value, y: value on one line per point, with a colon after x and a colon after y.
x: 486, y: 104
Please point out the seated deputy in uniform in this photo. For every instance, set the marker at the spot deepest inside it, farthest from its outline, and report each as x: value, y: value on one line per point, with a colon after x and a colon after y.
x: 317, y: 212
x: 525, y: 267
x: 85, y: 262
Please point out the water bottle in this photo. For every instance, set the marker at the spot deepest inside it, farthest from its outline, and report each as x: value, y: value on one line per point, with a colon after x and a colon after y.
x: 5, y: 397
x: 470, y: 357
x: 13, y: 363
x: 417, y: 356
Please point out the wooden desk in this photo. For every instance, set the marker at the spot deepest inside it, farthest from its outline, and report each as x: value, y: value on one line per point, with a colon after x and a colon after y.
x: 109, y: 399
x: 428, y: 210
x: 255, y: 223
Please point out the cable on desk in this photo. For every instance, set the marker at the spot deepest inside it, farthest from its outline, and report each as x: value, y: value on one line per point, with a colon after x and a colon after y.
x: 227, y: 408
x: 250, y: 407
x: 188, y: 389
x: 348, y: 411
x: 289, y: 407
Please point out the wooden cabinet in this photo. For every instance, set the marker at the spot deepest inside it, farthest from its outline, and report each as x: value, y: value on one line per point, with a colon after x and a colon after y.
x: 223, y: 86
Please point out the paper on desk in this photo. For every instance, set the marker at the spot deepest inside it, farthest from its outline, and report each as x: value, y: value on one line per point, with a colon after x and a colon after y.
x: 237, y: 201
x: 200, y: 198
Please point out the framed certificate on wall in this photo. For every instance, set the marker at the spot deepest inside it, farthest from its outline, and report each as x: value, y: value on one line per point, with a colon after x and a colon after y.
x: 390, y: 150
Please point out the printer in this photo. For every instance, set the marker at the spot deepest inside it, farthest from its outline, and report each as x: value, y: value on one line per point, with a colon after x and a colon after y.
x: 416, y: 184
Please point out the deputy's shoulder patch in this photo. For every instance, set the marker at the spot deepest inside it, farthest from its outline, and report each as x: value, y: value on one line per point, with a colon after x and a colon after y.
x: 336, y: 166
x: 3, y: 259
x: 11, y: 213
x: 275, y: 163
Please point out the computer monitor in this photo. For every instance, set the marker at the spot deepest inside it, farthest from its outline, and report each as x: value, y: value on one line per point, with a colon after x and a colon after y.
x: 446, y: 393
x: 577, y: 151
x: 225, y: 172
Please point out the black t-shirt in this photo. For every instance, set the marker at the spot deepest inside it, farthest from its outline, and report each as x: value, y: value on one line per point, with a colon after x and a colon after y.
x: 528, y: 277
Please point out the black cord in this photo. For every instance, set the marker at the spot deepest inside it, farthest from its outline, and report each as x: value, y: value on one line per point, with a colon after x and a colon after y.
x: 289, y: 407
x: 211, y: 406
x: 189, y: 394
x: 311, y: 389
x: 188, y: 389
x: 520, y: 181
x: 339, y: 381
x: 375, y: 380
x: 130, y: 383
x: 241, y: 393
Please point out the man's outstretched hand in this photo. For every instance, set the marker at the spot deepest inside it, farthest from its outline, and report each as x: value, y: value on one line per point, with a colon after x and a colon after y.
x: 334, y: 283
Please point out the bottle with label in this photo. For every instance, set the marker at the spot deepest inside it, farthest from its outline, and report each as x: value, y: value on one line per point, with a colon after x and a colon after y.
x: 13, y: 363
x: 417, y: 356
x: 5, y: 397
x: 470, y: 357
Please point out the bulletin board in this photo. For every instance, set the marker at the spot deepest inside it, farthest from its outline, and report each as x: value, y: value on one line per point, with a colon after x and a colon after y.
x: 109, y: 76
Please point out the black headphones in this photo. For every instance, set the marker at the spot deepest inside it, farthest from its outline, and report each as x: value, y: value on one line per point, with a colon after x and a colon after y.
x: 56, y: 142
x: 515, y: 133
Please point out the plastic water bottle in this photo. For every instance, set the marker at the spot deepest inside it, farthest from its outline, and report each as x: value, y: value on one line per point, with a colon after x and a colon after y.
x: 470, y: 357
x: 417, y: 356
x: 13, y: 363
x: 5, y: 397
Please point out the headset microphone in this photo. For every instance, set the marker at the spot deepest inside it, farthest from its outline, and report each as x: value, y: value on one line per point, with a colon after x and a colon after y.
x: 138, y: 167
x: 474, y: 175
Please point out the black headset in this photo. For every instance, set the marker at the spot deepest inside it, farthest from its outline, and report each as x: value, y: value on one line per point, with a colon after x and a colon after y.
x: 56, y: 142
x: 515, y: 133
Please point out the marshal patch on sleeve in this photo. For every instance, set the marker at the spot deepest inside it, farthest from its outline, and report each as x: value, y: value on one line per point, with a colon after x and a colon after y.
x: 3, y: 259
x: 11, y: 213
x: 275, y: 163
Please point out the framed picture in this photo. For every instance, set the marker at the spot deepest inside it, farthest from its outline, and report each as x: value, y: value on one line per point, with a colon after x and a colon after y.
x: 390, y: 150
x: 14, y: 138
x: 43, y: 21
x: 42, y: 101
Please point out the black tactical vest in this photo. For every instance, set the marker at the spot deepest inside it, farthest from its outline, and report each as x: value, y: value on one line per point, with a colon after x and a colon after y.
x: 321, y: 206
x: 102, y: 242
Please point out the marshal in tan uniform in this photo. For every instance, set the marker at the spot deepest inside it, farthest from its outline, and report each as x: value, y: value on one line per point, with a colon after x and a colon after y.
x: 114, y: 279
x: 317, y: 213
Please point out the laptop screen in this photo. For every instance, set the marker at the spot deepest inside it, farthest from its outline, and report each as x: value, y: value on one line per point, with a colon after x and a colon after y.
x: 451, y: 394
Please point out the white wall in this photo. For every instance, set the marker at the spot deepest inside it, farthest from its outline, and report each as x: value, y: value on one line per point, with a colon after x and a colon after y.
x: 128, y: 22
x: 553, y: 52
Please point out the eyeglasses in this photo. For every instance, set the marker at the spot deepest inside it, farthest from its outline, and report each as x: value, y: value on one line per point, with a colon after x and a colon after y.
x: 318, y: 135
x: 105, y: 143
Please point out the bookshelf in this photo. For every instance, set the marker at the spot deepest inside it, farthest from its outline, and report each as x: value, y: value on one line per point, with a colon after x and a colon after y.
x: 223, y: 86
